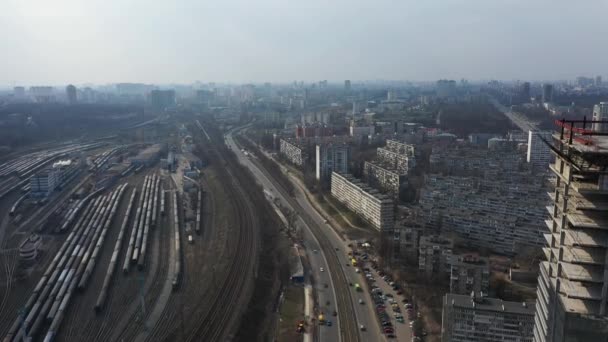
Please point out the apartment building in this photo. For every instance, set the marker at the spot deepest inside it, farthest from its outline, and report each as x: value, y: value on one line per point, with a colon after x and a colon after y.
x: 573, y: 282
x: 389, y: 170
x: 503, y: 215
x: 44, y: 182
x: 467, y: 318
x: 371, y: 205
x: 469, y: 273
x: 435, y: 255
x: 331, y: 157
x: 539, y: 153
x: 293, y: 151
x: 382, y: 176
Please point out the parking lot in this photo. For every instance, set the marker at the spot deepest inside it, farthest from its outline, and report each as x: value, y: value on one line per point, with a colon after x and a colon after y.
x: 396, y: 314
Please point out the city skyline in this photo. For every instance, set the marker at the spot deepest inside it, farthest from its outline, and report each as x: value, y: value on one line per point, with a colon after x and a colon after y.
x: 109, y: 42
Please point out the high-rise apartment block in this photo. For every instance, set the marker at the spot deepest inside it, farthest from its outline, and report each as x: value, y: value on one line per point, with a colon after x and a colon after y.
x: 293, y: 151
x: 600, y: 113
x: 469, y: 273
x: 371, y: 205
x: 70, y: 91
x: 391, y: 166
x: 539, y: 153
x: 347, y: 85
x: 478, y: 318
x: 161, y: 99
x: 435, y: 255
x: 331, y: 157
x: 573, y: 283
x: 547, y: 95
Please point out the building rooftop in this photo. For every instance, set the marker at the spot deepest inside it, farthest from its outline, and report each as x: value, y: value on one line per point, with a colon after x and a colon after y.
x: 477, y: 302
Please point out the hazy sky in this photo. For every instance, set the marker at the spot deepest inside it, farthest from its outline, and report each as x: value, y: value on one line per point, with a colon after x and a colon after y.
x: 102, y: 41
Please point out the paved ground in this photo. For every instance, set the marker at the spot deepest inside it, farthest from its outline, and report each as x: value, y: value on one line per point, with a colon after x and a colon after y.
x: 364, y: 313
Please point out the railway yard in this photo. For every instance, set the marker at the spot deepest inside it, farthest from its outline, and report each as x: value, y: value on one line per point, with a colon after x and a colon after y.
x: 122, y: 247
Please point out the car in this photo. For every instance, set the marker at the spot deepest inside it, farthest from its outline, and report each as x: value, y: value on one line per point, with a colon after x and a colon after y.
x: 388, y: 330
x: 400, y: 319
x: 328, y: 323
x: 325, y: 221
x: 387, y: 324
x: 362, y: 327
x: 409, y: 306
x: 399, y: 292
x: 357, y: 270
x: 315, y: 251
x: 391, y: 283
x: 405, y: 300
x: 347, y: 264
x: 361, y: 301
x: 321, y: 269
x: 389, y: 295
x: 390, y: 336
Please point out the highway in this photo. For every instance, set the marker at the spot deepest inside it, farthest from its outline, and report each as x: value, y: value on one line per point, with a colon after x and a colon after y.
x: 363, y: 313
x: 516, y: 118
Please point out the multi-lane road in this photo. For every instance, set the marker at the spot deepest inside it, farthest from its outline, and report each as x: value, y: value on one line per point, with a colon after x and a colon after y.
x: 327, y: 250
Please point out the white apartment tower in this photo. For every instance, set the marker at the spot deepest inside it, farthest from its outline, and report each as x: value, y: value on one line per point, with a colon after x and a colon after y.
x: 539, y: 152
x: 331, y: 157
x: 600, y: 113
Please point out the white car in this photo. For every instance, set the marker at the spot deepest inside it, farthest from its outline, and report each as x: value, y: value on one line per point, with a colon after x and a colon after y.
x: 321, y: 269
x: 357, y: 270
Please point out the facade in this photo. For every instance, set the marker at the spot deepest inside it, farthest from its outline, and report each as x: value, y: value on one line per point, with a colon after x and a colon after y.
x: 391, y: 166
x: 44, y: 182
x: 600, y: 113
x: 161, y: 99
x: 330, y: 158
x: 547, y: 95
x: 435, y: 255
x: 573, y: 283
x: 382, y: 177
x: 292, y: 151
x: 376, y: 208
x: 539, y: 153
x: 477, y: 318
x: 70, y: 91
x: 469, y: 273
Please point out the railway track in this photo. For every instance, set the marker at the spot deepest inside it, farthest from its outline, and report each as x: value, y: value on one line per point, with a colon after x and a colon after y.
x: 346, y: 313
x: 214, y: 325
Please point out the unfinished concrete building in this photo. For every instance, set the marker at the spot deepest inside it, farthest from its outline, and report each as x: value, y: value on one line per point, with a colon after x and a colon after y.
x: 573, y: 282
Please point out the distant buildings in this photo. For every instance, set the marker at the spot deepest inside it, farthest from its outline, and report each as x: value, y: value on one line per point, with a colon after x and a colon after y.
x: 539, y: 153
x: 469, y: 273
x: 572, y: 303
x: 293, y: 151
x: 161, y: 99
x: 70, y: 92
x: 547, y: 94
x: 42, y: 94
x: 347, y: 86
x: 329, y: 158
x: 446, y: 88
x: 435, y: 255
x: 376, y: 208
x: 19, y: 93
x: 360, y: 130
x: 477, y: 318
